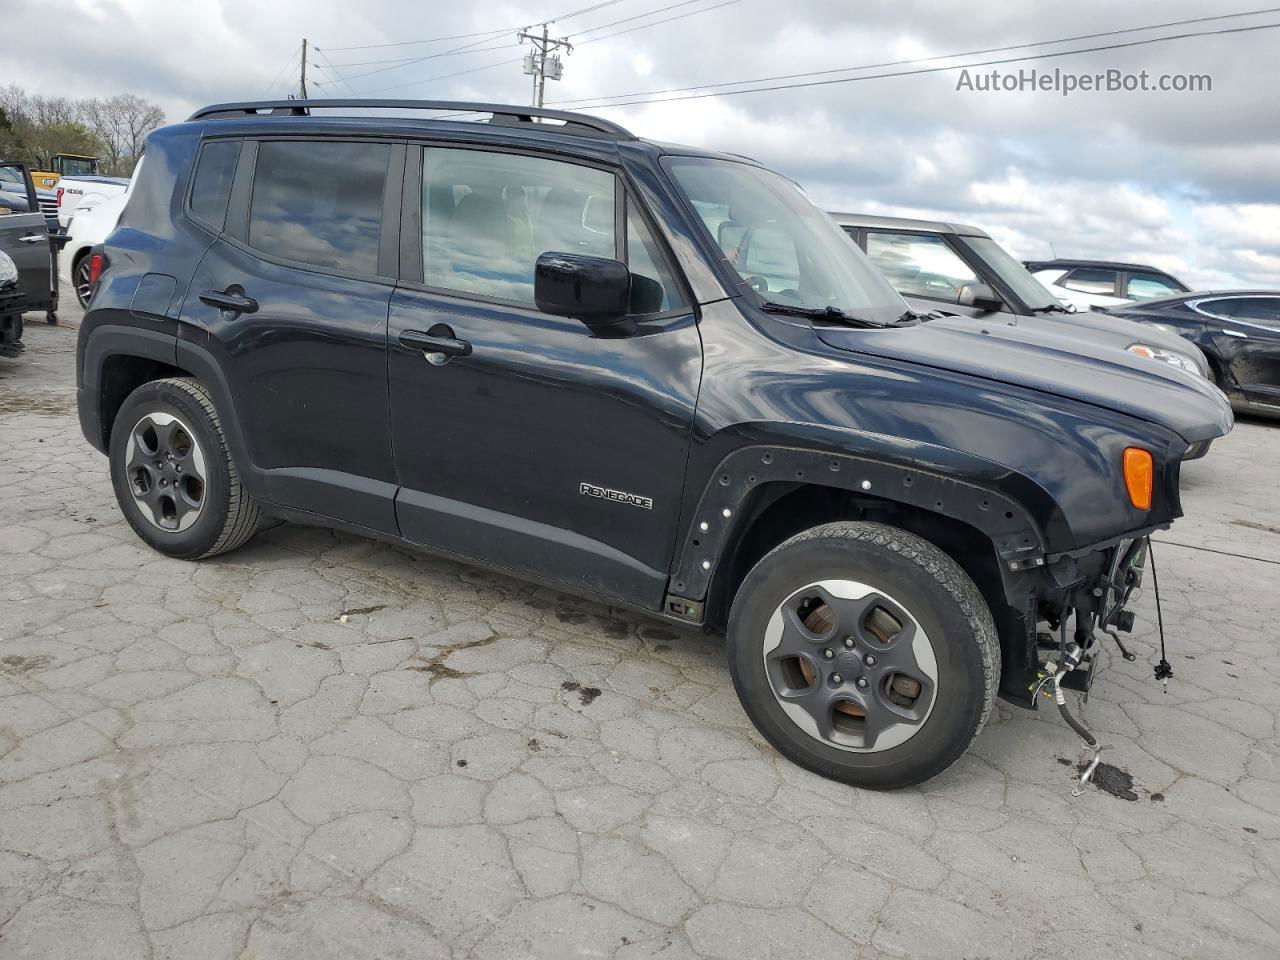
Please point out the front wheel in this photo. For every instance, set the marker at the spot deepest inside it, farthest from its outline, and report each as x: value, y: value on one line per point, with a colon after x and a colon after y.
x: 864, y: 653
x: 174, y: 477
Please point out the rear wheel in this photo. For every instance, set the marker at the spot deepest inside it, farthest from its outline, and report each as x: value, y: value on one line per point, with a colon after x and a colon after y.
x: 173, y: 474
x: 80, y: 274
x: 864, y: 653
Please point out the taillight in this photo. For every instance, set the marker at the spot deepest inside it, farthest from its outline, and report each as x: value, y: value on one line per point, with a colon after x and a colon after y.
x: 59, y: 195
x: 96, y: 264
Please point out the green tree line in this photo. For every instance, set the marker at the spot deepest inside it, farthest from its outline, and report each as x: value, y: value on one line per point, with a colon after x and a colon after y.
x: 33, y: 128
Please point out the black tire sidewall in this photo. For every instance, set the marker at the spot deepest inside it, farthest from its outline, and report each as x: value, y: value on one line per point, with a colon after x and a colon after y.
x: 200, y: 537
x: 960, y: 693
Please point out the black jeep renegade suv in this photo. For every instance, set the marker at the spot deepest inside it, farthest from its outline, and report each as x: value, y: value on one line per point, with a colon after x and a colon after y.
x: 640, y: 372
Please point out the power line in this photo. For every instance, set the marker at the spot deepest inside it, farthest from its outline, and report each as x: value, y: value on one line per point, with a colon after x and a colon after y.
x: 331, y: 72
x: 898, y: 63
x: 287, y: 68
x: 485, y: 33
x: 645, y: 26
x: 638, y: 16
x: 907, y: 73
x: 443, y: 76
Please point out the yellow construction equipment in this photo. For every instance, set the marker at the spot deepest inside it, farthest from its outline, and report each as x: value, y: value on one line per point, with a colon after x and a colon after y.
x: 64, y: 165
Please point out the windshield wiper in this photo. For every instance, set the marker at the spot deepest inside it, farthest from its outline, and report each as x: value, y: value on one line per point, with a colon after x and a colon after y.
x: 834, y: 314
x: 1051, y: 308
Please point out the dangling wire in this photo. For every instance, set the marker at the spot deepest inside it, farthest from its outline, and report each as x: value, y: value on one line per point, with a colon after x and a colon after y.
x: 1163, y: 670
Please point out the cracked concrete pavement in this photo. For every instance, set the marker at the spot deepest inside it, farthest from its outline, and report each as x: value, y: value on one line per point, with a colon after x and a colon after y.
x: 319, y: 746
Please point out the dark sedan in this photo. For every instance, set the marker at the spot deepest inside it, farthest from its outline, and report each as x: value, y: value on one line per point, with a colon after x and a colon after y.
x: 1239, y: 332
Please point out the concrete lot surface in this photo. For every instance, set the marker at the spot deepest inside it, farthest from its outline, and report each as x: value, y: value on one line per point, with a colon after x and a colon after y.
x: 324, y: 747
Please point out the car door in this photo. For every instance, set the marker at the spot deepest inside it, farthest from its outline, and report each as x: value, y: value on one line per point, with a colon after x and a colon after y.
x: 523, y: 439
x: 24, y: 234
x: 1247, y: 338
x: 291, y: 298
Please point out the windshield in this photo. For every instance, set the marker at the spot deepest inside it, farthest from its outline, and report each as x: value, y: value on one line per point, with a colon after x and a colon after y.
x: 1027, y: 288
x: 785, y: 248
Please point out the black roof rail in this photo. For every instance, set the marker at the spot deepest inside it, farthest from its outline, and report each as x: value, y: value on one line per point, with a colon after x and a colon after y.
x: 500, y: 113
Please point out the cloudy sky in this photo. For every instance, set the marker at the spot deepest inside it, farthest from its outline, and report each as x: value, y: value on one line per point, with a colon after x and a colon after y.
x: 1188, y: 181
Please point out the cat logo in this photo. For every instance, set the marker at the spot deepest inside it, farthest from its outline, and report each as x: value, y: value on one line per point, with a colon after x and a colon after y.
x: 617, y: 496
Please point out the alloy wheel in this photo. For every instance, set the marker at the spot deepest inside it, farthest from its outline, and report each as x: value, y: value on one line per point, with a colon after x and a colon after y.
x: 850, y: 665
x: 166, y: 471
x: 84, y: 289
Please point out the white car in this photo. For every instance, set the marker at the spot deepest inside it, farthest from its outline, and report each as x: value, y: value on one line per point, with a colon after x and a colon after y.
x: 1089, y: 284
x: 75, y: 192
x: 93, y: 222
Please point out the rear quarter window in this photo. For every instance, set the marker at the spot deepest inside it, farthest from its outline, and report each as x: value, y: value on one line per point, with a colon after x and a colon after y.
x: 211, y: 187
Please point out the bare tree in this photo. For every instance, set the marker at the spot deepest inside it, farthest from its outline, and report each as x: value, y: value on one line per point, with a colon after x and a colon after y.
x: 122, y: 123
x: 37, y: 127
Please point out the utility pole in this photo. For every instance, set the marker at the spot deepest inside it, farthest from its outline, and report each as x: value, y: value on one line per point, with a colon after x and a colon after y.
x: 302, y: 81
x: 541, y: 63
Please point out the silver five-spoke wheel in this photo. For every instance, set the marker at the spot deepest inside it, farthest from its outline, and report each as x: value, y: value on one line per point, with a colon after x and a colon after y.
x: 850, y: 665
x: 166, y: 471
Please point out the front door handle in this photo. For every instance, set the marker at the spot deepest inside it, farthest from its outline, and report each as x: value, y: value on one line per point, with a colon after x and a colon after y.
x: 229, y: 300
x: 34, y: 238
x: 438, y: 341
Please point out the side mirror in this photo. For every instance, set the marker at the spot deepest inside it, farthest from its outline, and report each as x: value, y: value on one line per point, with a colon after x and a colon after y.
x: 594, y: 290
x: 981, y: 296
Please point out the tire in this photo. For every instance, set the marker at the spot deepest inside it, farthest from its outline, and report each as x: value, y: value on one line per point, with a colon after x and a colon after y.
x: 871, y: 603
x: 162, y: 426
x: 80, y: 280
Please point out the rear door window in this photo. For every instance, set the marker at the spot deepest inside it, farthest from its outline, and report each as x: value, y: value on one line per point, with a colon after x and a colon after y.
x: 319, y: 203
x: 919, y: 265
x: 1090, y: 280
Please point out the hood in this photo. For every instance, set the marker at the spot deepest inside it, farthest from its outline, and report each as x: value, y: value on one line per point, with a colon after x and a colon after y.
x: 1038, y: 357
x: 1108, y: 331
x: 1130, y: 331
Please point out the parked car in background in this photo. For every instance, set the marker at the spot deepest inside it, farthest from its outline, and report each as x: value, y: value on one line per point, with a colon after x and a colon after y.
x: 91, y: 226
x: 11, y: 300
x: 1086, y: 284
x: 1239, y: 332
x: 591, y: 360
x: 958, y: 270
x: 25, y: 237
x: 74, y: 192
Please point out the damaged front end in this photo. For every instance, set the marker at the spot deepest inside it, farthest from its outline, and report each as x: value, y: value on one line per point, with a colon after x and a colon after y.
x: 1095, y: 603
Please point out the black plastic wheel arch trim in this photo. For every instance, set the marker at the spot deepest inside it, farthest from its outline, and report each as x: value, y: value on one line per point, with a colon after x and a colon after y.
x: 1017, y: 538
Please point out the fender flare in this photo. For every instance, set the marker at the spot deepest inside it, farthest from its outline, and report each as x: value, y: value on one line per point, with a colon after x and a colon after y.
x: 1018, y: 539
x: 104, y: 342
x: 110, y: 340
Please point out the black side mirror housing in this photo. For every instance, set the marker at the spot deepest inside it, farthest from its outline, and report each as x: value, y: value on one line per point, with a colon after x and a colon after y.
x: 594, y: 290
x: 981, y: 296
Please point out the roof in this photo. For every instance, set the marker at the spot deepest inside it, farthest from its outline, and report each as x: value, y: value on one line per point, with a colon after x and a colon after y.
x: 1066, y: 264
x: 593, y: 135
x: 906, y: 223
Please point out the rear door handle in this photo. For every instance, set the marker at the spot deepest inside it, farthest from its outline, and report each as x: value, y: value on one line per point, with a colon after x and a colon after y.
x: 34, y: 238
x: 230, y: 301
x: 428, y: 343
